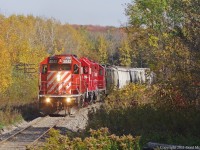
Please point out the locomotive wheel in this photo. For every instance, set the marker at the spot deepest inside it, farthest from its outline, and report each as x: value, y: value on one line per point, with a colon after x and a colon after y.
x: 91, y: 99
x: 95, y: 96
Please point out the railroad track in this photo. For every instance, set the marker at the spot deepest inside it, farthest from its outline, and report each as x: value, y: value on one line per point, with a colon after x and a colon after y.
x: 30, y: 135
x: 35, y: 133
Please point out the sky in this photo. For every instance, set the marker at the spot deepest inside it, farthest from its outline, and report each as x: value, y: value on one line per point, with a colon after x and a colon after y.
x: 84, y: 12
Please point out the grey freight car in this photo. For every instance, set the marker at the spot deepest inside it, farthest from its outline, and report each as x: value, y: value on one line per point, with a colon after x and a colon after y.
x: 112, y: 78
x: 141, y: 75
x: 117, y: 76
x: 123, y: 76
x: 120, y: 76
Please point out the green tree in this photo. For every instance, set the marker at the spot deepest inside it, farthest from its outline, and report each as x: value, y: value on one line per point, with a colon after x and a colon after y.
x: 163, y: 35
x: 102, y: 50
x: 124, y: 52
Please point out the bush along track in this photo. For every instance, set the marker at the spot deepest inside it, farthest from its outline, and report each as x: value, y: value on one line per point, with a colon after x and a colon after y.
x: 153, y: 122
x: 98, y: 139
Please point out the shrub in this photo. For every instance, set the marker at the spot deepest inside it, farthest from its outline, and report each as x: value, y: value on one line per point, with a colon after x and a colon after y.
x: 130, y: 95
x: 8, y: 115
x: 99, y: 139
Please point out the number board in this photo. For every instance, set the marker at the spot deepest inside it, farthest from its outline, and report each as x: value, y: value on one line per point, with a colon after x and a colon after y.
x: 53, y: 60
x: 67, y: 60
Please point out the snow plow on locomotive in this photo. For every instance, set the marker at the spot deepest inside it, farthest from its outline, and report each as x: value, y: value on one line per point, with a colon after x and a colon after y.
x: 65, y: 81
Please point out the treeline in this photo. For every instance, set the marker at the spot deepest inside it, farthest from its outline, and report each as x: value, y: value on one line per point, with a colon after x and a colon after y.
x: 29, y: 39
x: 164, y: 35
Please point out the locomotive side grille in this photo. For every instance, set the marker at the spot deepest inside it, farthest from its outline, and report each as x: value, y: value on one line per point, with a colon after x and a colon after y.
x: 63, y: 86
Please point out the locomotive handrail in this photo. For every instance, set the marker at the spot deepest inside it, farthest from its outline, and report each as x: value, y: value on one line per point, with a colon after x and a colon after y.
x: 76, y: 84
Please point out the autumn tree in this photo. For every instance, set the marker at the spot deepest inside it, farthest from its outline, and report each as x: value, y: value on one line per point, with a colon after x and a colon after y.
x: 102, y: 50
x: 124, y: 52
x: 5, y: 66
x: 163, y: 38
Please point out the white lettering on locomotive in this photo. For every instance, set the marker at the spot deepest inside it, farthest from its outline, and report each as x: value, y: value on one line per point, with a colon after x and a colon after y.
x: 53, y: 61
x: 67, y: 60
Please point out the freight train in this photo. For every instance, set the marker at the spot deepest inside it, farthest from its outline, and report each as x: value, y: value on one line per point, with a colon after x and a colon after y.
x: 65, y: 81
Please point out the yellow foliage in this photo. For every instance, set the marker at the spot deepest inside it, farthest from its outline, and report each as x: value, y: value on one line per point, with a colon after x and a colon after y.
x: 129, y: 96
x: 102, y: 49
x: 153, y: 41
x: 125, y: 50
x: 5, y: 67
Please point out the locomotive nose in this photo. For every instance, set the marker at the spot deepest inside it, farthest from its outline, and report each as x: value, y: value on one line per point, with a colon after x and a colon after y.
x: 59, y: 83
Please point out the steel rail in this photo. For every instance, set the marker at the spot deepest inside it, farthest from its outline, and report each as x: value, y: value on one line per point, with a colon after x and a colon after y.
x: 18, y: 132
x: 32, y: 144
x: 44, y: 133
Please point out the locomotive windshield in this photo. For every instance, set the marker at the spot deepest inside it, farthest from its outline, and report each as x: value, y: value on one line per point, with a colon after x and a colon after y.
x: 59, y: 67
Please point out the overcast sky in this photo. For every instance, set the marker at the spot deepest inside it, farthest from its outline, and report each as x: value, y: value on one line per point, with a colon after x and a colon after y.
x: 96, y: 12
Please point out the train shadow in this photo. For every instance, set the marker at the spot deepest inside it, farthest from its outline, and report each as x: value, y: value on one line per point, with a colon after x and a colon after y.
x: 28, y: 111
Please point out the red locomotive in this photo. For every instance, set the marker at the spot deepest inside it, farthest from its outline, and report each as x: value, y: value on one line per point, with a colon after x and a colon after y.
x: 66, y: 80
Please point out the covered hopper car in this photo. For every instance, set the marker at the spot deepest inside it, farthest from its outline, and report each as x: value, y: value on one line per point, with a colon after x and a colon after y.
x: 120, y: 76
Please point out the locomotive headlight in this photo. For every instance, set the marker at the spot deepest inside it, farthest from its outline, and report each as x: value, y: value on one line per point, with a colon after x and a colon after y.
x: 68, y: 100
x: 58, y: 77
x: 48, y: 100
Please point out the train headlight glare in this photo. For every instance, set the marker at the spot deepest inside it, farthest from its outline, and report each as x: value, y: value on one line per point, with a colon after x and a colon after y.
x: 68, y: 100
x: 48, y: 100
x: 58, y: 77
